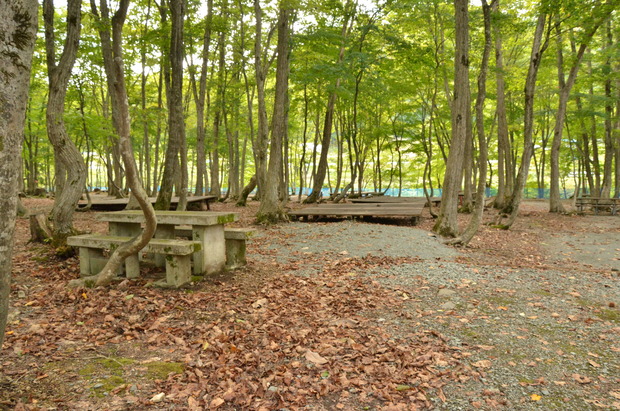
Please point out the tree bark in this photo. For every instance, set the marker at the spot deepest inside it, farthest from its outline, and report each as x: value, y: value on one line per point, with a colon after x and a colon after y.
x: 447, y: 224
x: 243, y: 197
x: 271, y: 210
x: 218, y: 117
x: 538, y: 48
x: 321, y: 170
x: 176, y: 119
x: 555, y: 204
x: 18, y: 19
x: 134, y: 245
x: 505, y: 172
x: 202, y: 180
x: 171, y: 157
x: 65, y: 150
x: 608, y: 175
x: 261, y: 66
x: 476, y: 218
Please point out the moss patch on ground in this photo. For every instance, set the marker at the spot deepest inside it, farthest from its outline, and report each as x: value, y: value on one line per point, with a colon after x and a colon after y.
x: 159, y: 370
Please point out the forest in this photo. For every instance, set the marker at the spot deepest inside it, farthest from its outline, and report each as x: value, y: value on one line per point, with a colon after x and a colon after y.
x: 472, y: 103
x: 326, y: 97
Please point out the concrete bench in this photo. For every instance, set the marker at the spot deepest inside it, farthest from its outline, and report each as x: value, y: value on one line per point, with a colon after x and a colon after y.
x: 235, y: 246
x: 178, y: 255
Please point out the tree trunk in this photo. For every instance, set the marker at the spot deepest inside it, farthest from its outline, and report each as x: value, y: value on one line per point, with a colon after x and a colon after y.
x: 260, y: 68
x: 175, y: 110
x: 609, y: 112
x: 476, y: 218
x: 270, y: 210
x: 218, y: 117
x: 199, y: 100
x: 538, y: 48
x: 447, y: 224
x: 243, y: 197
x: 174, y: 144
x: 505, y: 175
x: 134, y: 245
x: 65, y: 150
x: 18, y: 19
x: 555, y: 204
x: 321, y: 171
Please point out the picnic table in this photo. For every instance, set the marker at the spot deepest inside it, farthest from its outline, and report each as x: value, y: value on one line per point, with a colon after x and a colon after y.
x: 597, y: 204
x: 207, y: 229
x: 412, y: 210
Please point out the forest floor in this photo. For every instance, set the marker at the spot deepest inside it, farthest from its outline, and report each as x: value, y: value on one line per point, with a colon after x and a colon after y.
x: 328, y: 316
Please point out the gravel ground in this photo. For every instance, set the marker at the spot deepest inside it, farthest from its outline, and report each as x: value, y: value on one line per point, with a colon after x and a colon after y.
x: 540, y: 338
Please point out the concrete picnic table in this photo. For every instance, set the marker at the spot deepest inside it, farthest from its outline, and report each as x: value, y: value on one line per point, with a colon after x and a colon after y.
x: 207, y: 228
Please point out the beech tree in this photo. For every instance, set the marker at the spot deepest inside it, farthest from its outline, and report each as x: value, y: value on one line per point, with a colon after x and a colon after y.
x: 70, y: 166
x: 18, y: 27
x: 271, y: 210
x: 446, y: 224
x: 109, y: 271
x: 540, y: 44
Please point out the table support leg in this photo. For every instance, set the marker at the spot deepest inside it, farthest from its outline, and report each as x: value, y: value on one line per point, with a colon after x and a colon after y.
x: 212, y: 258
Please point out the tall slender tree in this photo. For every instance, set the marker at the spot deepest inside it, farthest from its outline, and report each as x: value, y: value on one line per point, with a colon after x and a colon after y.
x: 271, y: 210
x: 555, y: 204
x: 447, y: 224
x: 466, y: 236
x: 131, y: 247
x: 73, y: 169
x: 539, y: 45
x: 175, y: 157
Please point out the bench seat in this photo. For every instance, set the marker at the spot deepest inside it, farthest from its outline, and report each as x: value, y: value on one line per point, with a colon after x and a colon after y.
x: 178, y: 255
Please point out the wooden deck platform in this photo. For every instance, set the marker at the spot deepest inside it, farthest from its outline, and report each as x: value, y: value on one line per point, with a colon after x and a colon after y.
x: 412, y: 211
x: 389, y: 199
x: 104, y: 203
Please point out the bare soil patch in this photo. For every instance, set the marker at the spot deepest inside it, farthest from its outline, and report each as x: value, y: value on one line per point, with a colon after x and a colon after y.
x: 342, y: 315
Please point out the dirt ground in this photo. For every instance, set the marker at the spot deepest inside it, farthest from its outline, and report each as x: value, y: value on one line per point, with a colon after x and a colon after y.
x: 332, y: 315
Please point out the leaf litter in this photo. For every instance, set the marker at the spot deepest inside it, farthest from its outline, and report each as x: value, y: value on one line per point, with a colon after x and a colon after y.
x: 344, y: 337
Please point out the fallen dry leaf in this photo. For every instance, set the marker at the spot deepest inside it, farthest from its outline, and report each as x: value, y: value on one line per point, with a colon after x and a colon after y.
x: 581, y: 379
x: 482, y: 364
x: 315, y: 358
x: 216, y: 403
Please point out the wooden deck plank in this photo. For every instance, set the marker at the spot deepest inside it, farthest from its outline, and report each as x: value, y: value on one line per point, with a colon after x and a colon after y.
x: 407, y: 210
x: 392, y: 200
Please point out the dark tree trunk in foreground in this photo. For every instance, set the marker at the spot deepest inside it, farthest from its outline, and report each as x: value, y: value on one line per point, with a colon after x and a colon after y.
x: 447, y: 224
x: 65, y: 151
x: 18, y: 20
